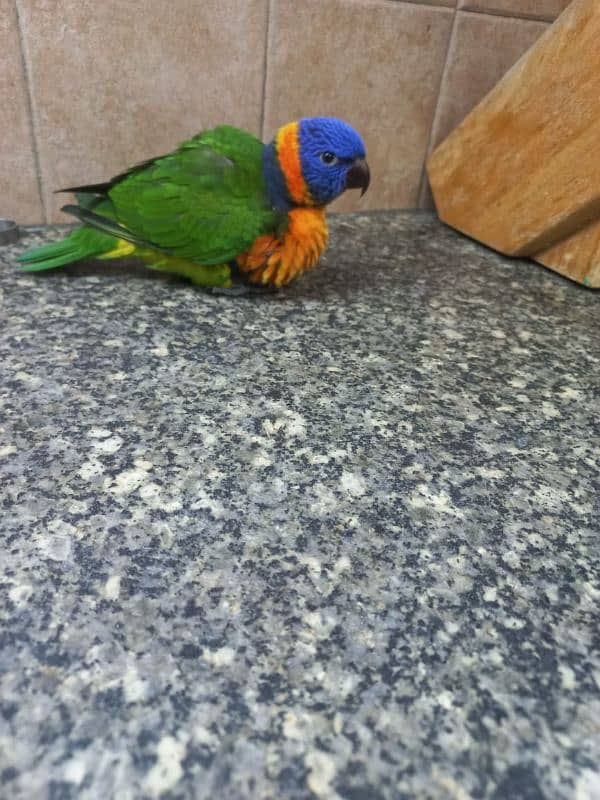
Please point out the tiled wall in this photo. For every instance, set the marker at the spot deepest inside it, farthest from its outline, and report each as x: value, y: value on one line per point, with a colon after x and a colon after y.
x: 88, y: 88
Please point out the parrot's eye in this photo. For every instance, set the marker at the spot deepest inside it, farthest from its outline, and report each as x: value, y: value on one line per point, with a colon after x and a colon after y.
x: 329, y: 159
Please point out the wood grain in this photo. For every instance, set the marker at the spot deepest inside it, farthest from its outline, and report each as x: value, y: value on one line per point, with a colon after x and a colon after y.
x: 577, y: 257
x: 522, y: 172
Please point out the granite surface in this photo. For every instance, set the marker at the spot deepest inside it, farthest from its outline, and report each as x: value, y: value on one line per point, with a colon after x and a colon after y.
x: 337, y: 542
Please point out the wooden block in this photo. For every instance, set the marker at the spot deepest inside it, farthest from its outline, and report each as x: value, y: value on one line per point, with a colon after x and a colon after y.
x: 577, y: 257
x: 522, y: 171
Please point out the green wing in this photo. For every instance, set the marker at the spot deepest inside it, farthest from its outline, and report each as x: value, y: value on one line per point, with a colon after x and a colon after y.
x: 205, y: 202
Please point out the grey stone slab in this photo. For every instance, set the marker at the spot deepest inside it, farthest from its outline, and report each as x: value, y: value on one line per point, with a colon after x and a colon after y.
x: 337, y: 542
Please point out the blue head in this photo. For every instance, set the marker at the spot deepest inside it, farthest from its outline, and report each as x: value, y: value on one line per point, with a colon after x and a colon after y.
x: 311, y: 162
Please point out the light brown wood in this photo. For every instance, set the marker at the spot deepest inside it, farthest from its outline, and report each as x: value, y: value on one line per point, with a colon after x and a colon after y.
x: 522, y: 171
x: 577, y: 257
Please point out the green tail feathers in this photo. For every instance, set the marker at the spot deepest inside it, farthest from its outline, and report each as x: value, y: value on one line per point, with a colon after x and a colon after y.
x: 82, y: 243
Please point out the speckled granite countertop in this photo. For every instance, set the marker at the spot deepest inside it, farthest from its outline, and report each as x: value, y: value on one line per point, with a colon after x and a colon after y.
x: 340, y: 542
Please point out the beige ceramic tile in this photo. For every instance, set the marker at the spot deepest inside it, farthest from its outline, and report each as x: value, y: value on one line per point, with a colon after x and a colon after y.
x: 19, y: 193
x: 376, y: 64
x: 482, y: 50
x: 534, y: 9
x: 114, y: 83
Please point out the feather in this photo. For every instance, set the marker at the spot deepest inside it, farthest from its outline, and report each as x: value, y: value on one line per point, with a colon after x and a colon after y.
x: 103, y: 224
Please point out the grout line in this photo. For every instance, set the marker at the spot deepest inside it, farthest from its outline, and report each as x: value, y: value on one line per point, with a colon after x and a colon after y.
x: 32, y: 122
x: 491, y: 12
x: 423, y: 181
x: 486, y: 12
x: 265, y: 69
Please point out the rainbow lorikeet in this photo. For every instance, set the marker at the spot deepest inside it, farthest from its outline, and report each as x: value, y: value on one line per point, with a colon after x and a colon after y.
x: 221, y: 204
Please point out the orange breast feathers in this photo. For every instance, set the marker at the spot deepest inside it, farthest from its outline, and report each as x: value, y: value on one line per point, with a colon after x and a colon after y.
x: 273, y: 261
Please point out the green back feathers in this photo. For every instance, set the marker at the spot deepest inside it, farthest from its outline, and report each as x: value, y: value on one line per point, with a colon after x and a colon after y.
x: 205, y: 202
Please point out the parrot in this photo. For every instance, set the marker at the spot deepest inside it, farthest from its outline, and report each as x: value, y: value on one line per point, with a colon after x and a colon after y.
x: 222, y: 205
